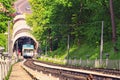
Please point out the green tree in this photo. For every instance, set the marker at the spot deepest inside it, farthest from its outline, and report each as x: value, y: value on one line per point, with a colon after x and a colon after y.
x: 54, y: 20
x: 5, y: 12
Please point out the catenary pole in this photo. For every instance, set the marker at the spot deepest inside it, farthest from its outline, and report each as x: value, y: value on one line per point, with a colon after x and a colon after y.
x: 68, y: 46
x: 101, y: 45
x: 9, y: 37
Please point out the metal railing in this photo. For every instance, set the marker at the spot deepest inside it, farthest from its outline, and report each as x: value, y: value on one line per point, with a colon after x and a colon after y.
x: 5, y: 67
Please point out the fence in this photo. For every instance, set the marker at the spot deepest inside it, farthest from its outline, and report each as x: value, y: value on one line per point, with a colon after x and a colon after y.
x: 106, y: 63
x: 5, y: 67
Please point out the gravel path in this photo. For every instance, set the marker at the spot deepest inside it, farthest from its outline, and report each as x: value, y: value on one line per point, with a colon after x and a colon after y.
x: 18, y: 73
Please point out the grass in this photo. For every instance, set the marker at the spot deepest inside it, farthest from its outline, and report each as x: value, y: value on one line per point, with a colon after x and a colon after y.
x: 9, y: 72
x: 84, y: 51
x: 53, y: 60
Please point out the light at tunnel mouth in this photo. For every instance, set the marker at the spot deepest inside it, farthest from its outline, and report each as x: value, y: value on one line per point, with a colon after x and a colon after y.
x: 21, y: 41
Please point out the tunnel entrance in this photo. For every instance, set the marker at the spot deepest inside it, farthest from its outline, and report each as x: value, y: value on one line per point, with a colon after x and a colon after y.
x: 20, y: 42
x: 22, y: 39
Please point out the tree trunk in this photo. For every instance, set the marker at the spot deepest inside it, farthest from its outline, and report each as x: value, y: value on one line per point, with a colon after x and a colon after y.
x: 78, y: 42
x: 50, y: 45
x: 113, y: 25
x: 50, y: 39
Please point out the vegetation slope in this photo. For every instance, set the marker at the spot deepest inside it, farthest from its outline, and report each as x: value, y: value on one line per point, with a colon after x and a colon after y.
x: 55, y: 22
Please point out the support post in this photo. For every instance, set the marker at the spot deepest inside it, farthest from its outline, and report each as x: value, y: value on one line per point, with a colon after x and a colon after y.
x: 9, y: 37
x: 68, y: 46
x: 17, y: 48
x: 0, y: 70
x: 101, y: 46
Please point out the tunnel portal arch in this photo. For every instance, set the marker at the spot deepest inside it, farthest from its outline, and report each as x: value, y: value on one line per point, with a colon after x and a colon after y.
x: 22, y: 34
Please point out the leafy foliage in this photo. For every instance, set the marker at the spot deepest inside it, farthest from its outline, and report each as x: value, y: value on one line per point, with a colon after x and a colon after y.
x: 54, y: 20
x: 4, y: 18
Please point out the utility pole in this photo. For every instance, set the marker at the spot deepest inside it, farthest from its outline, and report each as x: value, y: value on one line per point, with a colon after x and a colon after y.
x: 101, y: 46
x: 9, y: 37
x: 6, y: 33
x: 113, y: 25
x: 68, y: 45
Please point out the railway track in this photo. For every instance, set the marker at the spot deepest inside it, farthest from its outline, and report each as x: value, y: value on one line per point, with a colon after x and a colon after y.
x: 65, y: 73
